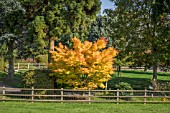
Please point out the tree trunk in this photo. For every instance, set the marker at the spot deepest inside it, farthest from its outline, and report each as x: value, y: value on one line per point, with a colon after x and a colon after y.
x: 51, y: 45
x: 155, y: 66
x: 154, y: 79
x: 50, y: 48
x: 119, y: 71
x: 11, y: 60
x: 155, y: 62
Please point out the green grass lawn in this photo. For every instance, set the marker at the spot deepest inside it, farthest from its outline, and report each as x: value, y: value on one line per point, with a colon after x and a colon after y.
x: 25, y: 107
x: 138, y: 79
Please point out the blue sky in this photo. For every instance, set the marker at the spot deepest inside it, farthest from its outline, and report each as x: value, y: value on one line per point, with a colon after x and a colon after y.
x: 106, y: 4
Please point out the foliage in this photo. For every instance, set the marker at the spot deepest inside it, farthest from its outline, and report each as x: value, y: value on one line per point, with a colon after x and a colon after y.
x: 118, y: 33
x: 49, y: 20
x: 37, y: 79
x: 2, y: 64
x: 124, y: 86
x: 99, y: 28
x: 87, y: 65
x: 11, y: 20
x: 41, y: 58
x: 143, y: 27
x: 164, y: 86
x: 2, y: 75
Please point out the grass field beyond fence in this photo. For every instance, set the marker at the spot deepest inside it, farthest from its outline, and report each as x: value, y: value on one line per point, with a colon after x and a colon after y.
x: 26, y: 107
x: 138, y: 79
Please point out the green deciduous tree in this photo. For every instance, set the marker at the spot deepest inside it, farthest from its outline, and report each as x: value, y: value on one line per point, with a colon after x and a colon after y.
x: 119, y: 36
x: 146, y: 29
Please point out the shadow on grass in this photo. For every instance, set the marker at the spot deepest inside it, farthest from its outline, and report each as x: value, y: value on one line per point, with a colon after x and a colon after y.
x: 136, y: 83
x: 137, y: 72
x: 145, y: 72
x: 163, y: 74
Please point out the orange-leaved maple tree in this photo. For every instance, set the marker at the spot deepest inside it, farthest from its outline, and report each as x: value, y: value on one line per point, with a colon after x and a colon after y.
x: 87, y: 66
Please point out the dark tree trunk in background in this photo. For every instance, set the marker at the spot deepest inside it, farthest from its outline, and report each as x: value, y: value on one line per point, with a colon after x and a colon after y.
x: 11, y: 60
x: 119, y: 71
x: 155, y: 67
x: 155, y: 62
x: 50, y: 48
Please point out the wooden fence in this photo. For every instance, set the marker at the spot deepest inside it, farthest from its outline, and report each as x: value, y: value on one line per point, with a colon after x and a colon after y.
x: 89, y: 96
x: 27, y: 66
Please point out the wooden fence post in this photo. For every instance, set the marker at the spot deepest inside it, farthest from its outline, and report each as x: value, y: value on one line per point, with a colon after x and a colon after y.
x: 117, y: 96
x: 89, y: 96
x: 145, y: 96
x: 3, y: 92
x: 32, y: 94
x: 62, y: 93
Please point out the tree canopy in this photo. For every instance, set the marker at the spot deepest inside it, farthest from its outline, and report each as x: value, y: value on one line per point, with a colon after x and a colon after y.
x: 49, y: 20
x: 11, y: 26
x: 144, y: 25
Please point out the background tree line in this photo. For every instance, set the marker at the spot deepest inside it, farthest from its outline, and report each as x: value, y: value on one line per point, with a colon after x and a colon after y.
x: 138, y: 29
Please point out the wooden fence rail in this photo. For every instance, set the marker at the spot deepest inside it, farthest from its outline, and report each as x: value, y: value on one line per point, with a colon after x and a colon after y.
x: 70, y: 95
x: 27, y: 66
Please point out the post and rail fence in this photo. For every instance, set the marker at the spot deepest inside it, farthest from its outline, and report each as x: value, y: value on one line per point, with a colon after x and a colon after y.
x: 88, y: 96
x: 27, y: 66
x: 32, y: 66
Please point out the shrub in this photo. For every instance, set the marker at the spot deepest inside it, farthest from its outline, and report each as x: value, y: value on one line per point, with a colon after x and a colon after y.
x: 37, y: 78
x: 164, y: 87
x: 41, y: 58
x: 124, y: 86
